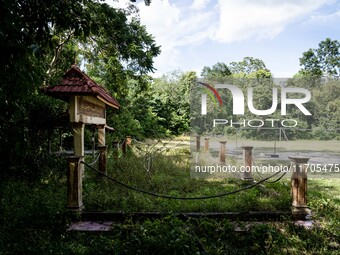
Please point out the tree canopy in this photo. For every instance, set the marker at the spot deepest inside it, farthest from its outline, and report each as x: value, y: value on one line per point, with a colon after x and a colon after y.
x: 325, y: 60
x: 40, y: 40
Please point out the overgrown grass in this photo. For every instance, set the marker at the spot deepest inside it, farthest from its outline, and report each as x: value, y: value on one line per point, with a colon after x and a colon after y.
x: 169, y: 175
x: 32, y: 219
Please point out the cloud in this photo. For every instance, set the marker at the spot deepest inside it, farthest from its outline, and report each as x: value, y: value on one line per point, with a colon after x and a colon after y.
x: 179, y: 26
x: 325, y: 17
x: 244, y: 19
x: 199, y: 4
x: 174, y: 27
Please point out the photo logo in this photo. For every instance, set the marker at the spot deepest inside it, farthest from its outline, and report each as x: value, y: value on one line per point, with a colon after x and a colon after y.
x: 256, y: 127
x: 214, y: 96
x: 239, y: 99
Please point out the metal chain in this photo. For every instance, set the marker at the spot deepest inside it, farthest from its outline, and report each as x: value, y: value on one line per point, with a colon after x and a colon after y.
x: 278, y: 179
x: 180, y: 198
x: 95, y: 161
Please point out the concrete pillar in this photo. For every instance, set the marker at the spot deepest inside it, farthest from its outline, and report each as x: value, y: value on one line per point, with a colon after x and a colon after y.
x: 299, y: 185
x: 222, y: 151
x: 74, y: 183
x: 206, y: 144
x: 247, y: 163
x: 198, y: 143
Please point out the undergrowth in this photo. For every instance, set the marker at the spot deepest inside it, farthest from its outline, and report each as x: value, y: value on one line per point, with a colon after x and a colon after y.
x: 33, y: 219
x: 169, y: 175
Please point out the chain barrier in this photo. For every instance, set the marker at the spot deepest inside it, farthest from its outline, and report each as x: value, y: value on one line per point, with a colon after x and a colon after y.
x: 95, y: 161
x: 179, y: 198
x: 278, y: 179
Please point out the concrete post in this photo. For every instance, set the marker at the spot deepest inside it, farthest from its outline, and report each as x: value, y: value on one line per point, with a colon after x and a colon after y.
x: 247, y: 163
x: 206, y: 144
x: 198, y: 143
x: 74, y: 183
x: 222, y: 151
x: 299, y: 185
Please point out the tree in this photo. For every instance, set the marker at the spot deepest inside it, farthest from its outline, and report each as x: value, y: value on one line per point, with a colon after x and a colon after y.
x: 219, y: 70
x: 325, y: 60
x: 39, y: 40
x: 247, y: 66
x: 171, y: 101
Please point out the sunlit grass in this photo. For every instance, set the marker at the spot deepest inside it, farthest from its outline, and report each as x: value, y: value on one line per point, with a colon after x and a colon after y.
x: 169, y: 175
x: 33, y: 220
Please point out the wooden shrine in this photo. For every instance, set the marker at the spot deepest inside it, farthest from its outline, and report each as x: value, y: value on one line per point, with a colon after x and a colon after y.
x: 87, y: 105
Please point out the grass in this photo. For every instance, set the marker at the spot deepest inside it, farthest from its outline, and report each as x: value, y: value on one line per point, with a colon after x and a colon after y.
x: 169, y: 175
x: 32, y: 219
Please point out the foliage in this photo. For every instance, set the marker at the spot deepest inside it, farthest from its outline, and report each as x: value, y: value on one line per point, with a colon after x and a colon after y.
x: 33, y: 222
x: 325, y: 60
x: 249, y: 66
x: 154, y: 108
x: 172, y: 101
x: 217, y: 71
x: 39, y: 40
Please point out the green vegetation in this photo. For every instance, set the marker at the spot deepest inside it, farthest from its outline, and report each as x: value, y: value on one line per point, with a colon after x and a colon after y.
x: 169, y: 175
x: 33, y: 219
x: 39, y: 41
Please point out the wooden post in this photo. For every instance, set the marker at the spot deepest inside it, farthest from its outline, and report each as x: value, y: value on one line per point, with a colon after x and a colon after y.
x: 102, y: 158
x: 299, y: 185
x: 124, y: 146
x: 78, y: 138
x: 93, y: 140
x: 101, y: 134
x: 74, y: 183
x: 75, y: 169
x: 49, y: 143
x: 222, y: 151
x: 102, y: 149
x: 206, y: 144
x: 128, y: 140
x: 198, y: 143
x: 60, y: 140
x: 115, y: 149
x: 247, y: 163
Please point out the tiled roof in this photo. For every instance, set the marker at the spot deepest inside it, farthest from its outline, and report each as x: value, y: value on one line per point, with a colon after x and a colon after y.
x: 75, y: 82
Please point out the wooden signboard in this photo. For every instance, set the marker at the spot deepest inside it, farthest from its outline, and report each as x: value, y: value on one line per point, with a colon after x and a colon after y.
x: 87, y: 110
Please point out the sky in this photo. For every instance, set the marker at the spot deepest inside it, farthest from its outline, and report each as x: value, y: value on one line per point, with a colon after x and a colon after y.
x: 197, y: 33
